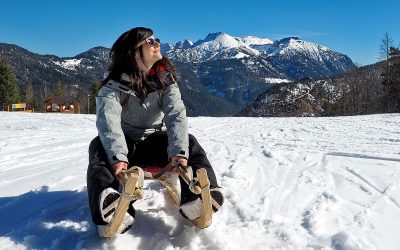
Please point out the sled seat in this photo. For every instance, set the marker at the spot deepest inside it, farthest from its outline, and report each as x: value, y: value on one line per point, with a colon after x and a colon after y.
x: 151, y: 171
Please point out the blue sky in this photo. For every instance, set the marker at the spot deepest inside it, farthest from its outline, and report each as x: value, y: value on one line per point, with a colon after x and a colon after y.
x: 69, y: 27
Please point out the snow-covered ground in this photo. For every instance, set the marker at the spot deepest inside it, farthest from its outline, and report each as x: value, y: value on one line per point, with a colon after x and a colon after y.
x: 290, y: 183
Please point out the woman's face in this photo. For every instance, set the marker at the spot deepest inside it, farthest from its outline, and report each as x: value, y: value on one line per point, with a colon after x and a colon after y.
x: 151, y: 53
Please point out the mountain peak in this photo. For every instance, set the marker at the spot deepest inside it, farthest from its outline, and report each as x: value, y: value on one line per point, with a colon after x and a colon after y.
x: 288, y: 39
x: 99, y: 48
x: 186, y: 44
x: 295, y: 43
x: 96, y: 52
x: 214, y: 35
x: 221, y: 39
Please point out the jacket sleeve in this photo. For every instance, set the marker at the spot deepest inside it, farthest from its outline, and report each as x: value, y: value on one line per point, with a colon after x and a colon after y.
x: 108, y: 122
x: 175, y: 121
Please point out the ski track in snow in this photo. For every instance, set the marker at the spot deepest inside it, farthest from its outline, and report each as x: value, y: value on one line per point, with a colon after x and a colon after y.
x: 290, y: 183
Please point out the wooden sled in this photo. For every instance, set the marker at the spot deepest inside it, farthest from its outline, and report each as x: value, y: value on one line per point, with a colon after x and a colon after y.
x: 132, y: 181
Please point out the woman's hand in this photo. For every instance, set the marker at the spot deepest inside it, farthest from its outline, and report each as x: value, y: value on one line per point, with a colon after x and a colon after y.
x: 118, y: 167
x: 182, y: 160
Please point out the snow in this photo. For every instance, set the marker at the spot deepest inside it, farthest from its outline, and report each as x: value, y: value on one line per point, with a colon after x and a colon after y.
x: 254, y: 40
x: 290, y: 183
x: 294, y: 45
x: 299, y: 91
x: 183, y: 44
x: 69, y: 64
x: 272, y: 80
x: 240, y: 55
x: 219, y: 41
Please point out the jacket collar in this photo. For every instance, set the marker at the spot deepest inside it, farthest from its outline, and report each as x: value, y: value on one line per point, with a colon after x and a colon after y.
x: 152, y: 72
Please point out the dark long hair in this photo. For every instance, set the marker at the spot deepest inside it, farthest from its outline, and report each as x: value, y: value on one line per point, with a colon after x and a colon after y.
x: 123, y: 61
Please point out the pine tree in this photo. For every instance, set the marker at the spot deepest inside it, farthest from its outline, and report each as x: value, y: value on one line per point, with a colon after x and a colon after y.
x: 59, y: 89
x: 384, y: 53
x: 94, y: 90
x: 28, y: 96
x: 8, y: 86
x: 384, y: 47
x: 393, y: 85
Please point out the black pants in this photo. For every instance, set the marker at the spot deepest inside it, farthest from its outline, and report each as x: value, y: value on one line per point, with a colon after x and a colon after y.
x: 150, y: 152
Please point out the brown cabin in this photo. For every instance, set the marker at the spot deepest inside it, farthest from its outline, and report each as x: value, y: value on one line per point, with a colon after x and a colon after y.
x: 61, y: 104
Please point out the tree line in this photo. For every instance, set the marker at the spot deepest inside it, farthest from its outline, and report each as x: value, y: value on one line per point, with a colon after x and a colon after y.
x: 367, y: 90
x: 390, y: 74
x: 34, y: 98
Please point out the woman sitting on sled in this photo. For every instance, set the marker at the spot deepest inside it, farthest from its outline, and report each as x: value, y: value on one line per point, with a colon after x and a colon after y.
x: 140, y: 95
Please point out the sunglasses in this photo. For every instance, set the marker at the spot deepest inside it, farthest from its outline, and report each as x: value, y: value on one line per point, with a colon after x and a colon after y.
x: 150, y: 41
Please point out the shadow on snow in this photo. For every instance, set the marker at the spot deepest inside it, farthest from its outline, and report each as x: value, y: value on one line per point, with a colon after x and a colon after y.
x: 43, y: 219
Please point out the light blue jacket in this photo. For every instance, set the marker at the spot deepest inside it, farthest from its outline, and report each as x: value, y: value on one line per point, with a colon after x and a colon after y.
x: 115, y: 120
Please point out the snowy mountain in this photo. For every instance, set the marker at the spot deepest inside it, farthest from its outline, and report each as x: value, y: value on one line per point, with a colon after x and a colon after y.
x: 40, y: 70
x: 290, y: 183
x: 219, y: 70
x: 300, y: 58
x: 237, y: 69
x: 216, y: 46
x: 283, y: 53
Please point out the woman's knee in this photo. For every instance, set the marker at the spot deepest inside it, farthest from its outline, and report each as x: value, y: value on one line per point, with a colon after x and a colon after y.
x: 192, y: 140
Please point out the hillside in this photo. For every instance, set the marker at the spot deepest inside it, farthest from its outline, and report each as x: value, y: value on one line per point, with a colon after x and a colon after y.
x: 356, y: 92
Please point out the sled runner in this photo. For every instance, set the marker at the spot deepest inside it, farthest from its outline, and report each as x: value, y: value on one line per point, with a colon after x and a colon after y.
x: 131, y: 181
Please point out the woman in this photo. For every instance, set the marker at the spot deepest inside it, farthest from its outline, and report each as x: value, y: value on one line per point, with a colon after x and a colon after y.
x: 139, y: 95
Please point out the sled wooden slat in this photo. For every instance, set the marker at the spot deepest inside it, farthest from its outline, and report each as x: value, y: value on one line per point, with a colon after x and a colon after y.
x: 171, y: 191
x: 205, y: 218
x: 130, y: 179
x: 186, y: 178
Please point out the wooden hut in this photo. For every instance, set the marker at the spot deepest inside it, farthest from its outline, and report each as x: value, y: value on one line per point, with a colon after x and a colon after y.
x: 61, y: 104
